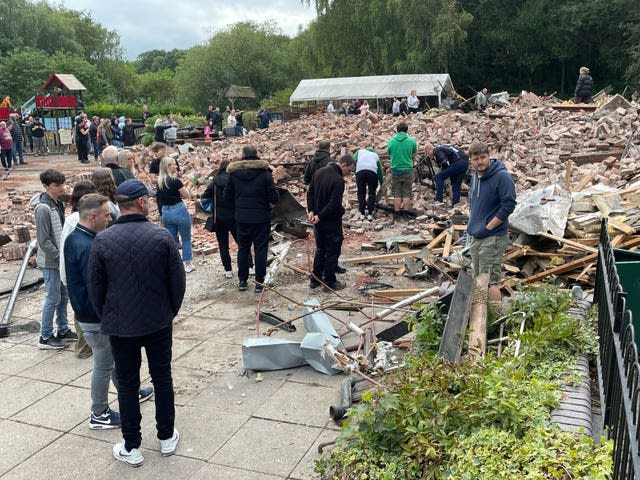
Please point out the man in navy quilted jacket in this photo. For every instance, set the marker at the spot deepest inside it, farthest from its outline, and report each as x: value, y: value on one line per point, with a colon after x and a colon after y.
x: 136, y: 283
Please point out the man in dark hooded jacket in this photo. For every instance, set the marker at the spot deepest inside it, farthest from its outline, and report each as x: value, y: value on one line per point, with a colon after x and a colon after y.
x: 253, y: 193
x: 584, y: 87
x: 492, y: 199
x: 320, y: 159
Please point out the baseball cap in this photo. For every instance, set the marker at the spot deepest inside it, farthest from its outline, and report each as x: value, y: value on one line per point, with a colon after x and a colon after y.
x: 130, y: 190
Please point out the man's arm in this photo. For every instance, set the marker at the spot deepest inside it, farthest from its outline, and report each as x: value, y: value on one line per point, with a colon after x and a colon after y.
x: 176, y: 277
x: 44, y: 231
x: 507, y: 197
x: 335, y: 201
x: 96, y: 278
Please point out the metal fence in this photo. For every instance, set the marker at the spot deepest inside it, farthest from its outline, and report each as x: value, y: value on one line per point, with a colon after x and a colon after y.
x: 618, y: 365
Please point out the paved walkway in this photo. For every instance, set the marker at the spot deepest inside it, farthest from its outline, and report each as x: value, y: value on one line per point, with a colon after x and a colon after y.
x: 232, y: 426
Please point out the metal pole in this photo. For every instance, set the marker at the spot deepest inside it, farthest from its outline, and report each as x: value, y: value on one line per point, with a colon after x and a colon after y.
x: 16, y: 287
x: 407, y: 301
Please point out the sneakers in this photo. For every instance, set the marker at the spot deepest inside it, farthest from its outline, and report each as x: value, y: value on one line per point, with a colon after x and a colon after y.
x: 370, y: 217
x: 133, y: 458
x: 258, y: 289
x: 168, y: 446
x: 144, y: 394
x: 107, y: 421
x: 228, y: 274
x: 313, y: 283
x: 51, y: 343
x: 188, y: 266
x: 68, y: 336
x: 362, y: 216
x: 340, y: 269
x: 252, y: 271
x: 242, y: 285
x: 335, y: 287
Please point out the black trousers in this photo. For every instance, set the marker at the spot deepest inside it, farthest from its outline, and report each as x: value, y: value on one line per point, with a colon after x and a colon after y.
x: 82, y: 144
x: 366, y: 179
x: 329, y: 239
x: 256, y: 234
x: 127, y: 355
x: 223, y: 229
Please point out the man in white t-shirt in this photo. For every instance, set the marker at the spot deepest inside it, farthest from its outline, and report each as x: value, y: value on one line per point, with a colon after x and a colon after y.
x: 413, y: 102
x: 368, y: 174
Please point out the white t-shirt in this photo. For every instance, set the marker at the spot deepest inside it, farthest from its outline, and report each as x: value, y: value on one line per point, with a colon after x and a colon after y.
x: 367, y: 160
x: 413, y: 102
x: 330, y: 108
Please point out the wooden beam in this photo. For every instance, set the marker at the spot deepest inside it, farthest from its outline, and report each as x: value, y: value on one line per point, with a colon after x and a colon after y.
x: 623, y: 227
x: 446, y: 251
x: 568, y: 242
x: 567, y: 267
x: 437, y: 240
x: 583, y: 183
x: 567, y: 174
x: 382, y: 258
x: 396, y: 293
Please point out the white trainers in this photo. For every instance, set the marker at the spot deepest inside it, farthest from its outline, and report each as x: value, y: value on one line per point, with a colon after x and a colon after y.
x: 168, y: 446
x: 362, y: 217
x: 188, y: 266
x: 133, y: 458
x: 228, y: 274
x: 370, y: 217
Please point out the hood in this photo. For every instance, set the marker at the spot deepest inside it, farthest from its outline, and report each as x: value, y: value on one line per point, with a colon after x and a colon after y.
x: 400, y: 136
x: 35, y: 200
x: 495, y: 165
x: 248, y: 169
x: 320, y: 155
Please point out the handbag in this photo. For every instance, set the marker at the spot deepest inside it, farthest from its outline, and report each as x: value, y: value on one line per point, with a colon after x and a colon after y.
x: 210, y: 224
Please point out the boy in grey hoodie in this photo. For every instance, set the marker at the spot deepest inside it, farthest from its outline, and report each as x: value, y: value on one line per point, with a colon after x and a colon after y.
x: 49, y: 218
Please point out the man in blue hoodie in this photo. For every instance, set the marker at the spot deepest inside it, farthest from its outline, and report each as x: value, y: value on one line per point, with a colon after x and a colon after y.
x: 492, y: 199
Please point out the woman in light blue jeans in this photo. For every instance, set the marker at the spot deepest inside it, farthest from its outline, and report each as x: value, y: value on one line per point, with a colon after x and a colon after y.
x: 175, y: 216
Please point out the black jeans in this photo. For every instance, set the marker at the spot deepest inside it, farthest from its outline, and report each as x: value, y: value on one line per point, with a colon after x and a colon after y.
x: 366, y: 179
x: 223, y: 229
x: 256, y: 234
x: 328, y: 244
x: 127, y: 355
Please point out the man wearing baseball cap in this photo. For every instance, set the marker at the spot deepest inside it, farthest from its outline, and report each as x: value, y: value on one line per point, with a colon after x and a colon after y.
x: 136, y: 283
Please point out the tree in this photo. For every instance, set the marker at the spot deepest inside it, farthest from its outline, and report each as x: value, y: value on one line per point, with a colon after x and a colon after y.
x: 29, y: 69
x: 156, y: 60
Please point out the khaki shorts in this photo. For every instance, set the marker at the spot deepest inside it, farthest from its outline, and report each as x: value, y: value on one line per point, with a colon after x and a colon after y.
x: 401, y: 184
x: 486, y: 256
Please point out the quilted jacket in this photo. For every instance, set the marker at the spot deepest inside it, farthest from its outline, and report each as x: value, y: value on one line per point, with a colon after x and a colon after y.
x: 136, y: 279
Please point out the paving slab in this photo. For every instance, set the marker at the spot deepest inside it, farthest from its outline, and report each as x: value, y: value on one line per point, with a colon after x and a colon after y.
x: 202, y: 430
x: 188, y: 383
x: 21, y: 441
x: 309, y: 376
x: 220, y: 472
x: 21, y: 357
x: 199, y: 328
x: 237, y: 394
x: 60, y: 368
x: 182, y: 345
x: 267, y: 446
x: 62, y: 410
x: 212, y: 357
x: 228, y: 310
x: 18, y: 393
x: 299, y: 403
x: 305, y: 469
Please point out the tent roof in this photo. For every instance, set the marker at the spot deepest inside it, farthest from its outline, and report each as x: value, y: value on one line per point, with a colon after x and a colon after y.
x: 235, y: 91
x: 379, y: 86
x: 66, y: 80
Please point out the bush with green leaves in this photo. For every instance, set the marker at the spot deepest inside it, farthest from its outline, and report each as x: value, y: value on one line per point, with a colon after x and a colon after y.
x: 483, y: 419
x: 134, y: 111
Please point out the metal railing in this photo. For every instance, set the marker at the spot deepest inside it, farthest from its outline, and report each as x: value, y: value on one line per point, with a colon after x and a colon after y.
x: 618, y: 365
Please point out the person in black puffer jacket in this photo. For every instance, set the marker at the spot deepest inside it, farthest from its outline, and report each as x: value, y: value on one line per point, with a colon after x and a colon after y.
x: 253, y: 194
x: 320, y: 159
x: 584, y: 87
x: 136, y: 284
x: 223, y: 211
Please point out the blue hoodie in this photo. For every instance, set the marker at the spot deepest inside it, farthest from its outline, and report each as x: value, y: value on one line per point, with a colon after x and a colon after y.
x: 492, y: 195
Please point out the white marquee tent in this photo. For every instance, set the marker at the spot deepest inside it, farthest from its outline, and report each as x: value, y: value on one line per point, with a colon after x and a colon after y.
x: 373, y: 87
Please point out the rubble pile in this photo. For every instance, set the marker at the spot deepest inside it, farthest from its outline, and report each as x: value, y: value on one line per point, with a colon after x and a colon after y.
x: 589, y: 154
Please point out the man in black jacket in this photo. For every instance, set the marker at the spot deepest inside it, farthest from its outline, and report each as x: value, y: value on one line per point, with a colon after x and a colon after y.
x: 320, y: 159
x: 584, y: 87
x: 253, y: 193
x: 136, y: 283
x: 325, y: 210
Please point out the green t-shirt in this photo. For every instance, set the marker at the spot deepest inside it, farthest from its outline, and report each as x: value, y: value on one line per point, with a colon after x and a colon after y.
x: 401, y: 149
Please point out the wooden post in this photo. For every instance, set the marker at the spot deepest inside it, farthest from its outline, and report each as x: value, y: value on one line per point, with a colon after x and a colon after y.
x: 478, y: 318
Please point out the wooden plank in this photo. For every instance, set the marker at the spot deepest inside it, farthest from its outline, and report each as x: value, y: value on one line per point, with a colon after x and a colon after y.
x: 583, y: 183
x: 381, y: 258
x: 457, y: 319
x: 397, y: 293
x: 437, y: 240
x: 567, y: 267
x: 446, y: 251
x: 567, y: 241
x: 478, y: 317
x: 623, y: 227
x: 567, y: 174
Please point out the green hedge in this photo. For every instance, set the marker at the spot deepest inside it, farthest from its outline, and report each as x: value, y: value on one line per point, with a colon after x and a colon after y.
x: 104, y: 109
x: 184, y: 121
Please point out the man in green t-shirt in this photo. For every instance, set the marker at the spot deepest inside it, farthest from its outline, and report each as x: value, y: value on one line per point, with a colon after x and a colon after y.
x: 401, y: 149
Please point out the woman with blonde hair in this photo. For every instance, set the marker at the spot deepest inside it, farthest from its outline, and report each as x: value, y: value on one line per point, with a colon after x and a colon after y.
x: 175, y: 217
x: 102, y: 178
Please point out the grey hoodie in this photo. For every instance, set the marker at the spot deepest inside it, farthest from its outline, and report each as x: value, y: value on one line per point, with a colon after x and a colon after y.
x: 49, y: 218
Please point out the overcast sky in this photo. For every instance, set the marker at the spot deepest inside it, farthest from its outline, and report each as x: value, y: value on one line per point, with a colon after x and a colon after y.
x: 167, y: 24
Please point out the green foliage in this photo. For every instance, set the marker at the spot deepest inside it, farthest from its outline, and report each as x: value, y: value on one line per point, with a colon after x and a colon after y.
x: 428, y: 325
x: 475, y: 420
x: 158, y: 60
x: 184, y: 121
x: 134, y: 111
